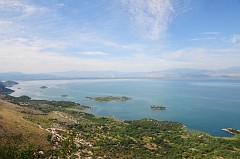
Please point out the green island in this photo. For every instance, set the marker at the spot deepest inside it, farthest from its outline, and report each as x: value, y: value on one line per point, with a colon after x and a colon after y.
x: 109, y: 99
x: 158, y: 107
x: 231, y: 131
x: 57, y: 129
x: 43, y: 87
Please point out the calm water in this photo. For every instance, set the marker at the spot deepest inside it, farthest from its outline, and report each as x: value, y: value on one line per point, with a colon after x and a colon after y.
x: 206, y: 105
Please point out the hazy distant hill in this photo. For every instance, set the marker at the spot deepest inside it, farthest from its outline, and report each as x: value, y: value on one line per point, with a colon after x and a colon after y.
x: 233, y: 72
x: 229, y: 72
x: 12, y: 76
x: 172, y: 73
x: 195, y: 73
x: 180, y: 73
x: 23, y: 76
x: 92, y: 74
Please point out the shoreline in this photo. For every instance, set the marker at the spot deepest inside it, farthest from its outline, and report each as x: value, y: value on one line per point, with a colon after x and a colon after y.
x: 231, y: 131
x: 106, y: 137
x: 191, y: 130
x: 217, y: 132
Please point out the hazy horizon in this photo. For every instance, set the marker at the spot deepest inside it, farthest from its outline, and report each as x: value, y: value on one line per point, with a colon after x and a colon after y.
x: 118, y: 35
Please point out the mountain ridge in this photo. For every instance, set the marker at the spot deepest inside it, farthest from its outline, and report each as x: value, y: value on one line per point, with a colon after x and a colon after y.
x: 233, y: 72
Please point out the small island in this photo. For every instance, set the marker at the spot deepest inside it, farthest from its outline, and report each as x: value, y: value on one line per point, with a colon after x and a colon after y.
x: 158, y: 107
x: 43, y: 87
x: 64, y: 95
x: 109, y: 99
x: 231, y: 131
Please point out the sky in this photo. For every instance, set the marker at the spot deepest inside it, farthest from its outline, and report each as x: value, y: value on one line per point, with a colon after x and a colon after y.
x: 118, y: 35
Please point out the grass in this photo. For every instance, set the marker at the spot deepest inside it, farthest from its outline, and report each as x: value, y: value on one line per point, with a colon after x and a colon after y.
x: 14, y: 129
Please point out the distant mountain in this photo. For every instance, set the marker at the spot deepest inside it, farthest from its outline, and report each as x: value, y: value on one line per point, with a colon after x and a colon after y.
x: 179, y: 73
x: 171, y: 73
x: 70, y: 75
x: 98, y: 74
x: 23, y: 76
x: 229, y: 72
x: 11, y: 75
x: 233, y: 72
x: 195, y: 73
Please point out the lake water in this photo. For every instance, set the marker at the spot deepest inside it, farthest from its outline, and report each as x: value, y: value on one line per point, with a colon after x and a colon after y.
x: 205, y: 105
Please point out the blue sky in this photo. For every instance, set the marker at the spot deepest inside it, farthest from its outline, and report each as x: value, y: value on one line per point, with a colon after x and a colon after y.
x: 118, y: 35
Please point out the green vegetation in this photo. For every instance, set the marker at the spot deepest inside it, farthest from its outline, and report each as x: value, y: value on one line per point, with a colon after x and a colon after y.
x: 44, y: 105
x: 76, y: 134
x: 232, y: 131
x: 109, y: 98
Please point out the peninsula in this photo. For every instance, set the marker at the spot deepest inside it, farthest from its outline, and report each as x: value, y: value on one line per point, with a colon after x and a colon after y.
x: 231, y: 131
x: 9, y: 83
x: 109, y: 98
x: 4, y: 85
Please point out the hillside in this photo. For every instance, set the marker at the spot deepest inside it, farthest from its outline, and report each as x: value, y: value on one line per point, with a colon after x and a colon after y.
x: 75, y: 134
x: 18, y: 133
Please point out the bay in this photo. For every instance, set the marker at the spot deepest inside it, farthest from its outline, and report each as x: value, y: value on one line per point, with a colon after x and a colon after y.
x: 205, y: 105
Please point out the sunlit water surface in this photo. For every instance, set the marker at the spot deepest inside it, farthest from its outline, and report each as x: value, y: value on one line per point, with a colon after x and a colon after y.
x: 205, y: 105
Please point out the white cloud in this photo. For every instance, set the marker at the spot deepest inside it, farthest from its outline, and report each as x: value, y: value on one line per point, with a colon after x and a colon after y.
x: 60, y: 4
x: 17, y: 18
x: 202, y: 39
x: 18, y: 8
x: 94, y: 53
x: 182, y: 6
x: 5, y: 23
x: 5, y: 26
x: 229, y: 51
x: 206, y: 58
x: 210, y: 33
x: 150, y: 17
x: 235, y: 39
x: 35, y: 43
x: 17, y: 56
x: 208, y: 36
